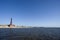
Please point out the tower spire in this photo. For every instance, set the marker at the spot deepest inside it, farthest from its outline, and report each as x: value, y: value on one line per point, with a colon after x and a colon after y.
x: 11, y: 25
x: 11, y: 22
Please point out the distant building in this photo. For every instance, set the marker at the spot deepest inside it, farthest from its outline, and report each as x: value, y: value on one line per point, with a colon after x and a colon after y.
x: 8, y: 26
x: 11, y: 25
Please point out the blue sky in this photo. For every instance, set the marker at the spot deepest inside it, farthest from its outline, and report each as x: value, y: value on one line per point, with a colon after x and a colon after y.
x: 30, y: 12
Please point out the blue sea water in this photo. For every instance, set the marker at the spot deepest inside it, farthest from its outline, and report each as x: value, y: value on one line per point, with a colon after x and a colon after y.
x: 21, y: 33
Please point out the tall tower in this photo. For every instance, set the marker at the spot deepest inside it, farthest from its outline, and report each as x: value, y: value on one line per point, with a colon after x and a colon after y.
x: 11, y: 22
x: 11, y: 25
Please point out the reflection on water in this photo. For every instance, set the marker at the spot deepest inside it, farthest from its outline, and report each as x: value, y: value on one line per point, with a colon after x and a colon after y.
x: 29, y: 33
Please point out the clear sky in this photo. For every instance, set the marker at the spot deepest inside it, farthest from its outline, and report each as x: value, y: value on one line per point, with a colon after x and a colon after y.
x: 30, y: 12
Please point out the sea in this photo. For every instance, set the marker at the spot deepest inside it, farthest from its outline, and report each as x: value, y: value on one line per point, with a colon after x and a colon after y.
x: 35, y: 33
